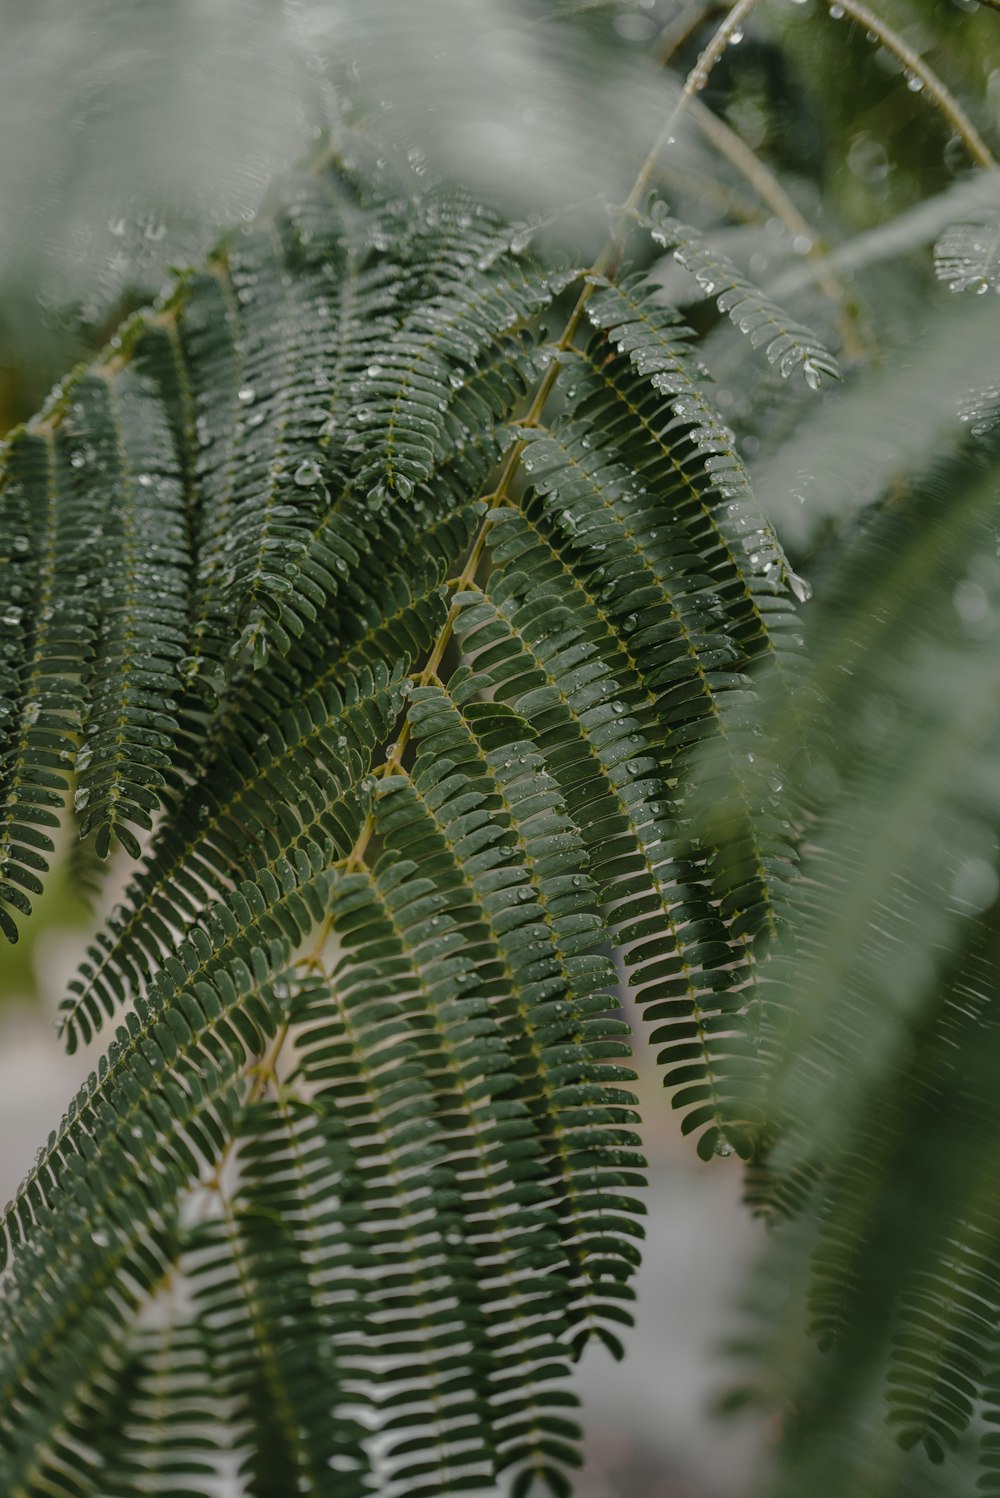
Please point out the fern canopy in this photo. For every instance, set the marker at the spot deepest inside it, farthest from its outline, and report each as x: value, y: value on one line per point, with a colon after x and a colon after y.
x: 403, y: 733
x: 395, y: 595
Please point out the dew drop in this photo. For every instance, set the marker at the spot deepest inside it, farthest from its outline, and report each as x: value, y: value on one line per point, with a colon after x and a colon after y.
x: 802, y: 590
x: 307, y: 474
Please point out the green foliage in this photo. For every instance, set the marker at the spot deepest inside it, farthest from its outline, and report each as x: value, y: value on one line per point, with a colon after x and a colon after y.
x: 397, y: 594
x: 415, y: 1222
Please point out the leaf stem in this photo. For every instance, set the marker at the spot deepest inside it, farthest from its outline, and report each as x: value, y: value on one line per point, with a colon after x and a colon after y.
x: 696, y: 80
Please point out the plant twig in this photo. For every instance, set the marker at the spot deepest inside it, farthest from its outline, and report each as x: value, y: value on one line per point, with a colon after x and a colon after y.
x: 761, y: 178
x: 936, y: 90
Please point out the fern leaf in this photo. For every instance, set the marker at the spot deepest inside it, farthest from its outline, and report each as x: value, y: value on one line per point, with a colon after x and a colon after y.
x: 47, y: 633
x: 471, y: 1030
x: 121, y: 439
x: 168, y: 1091
x: 940, y: 762
x: 281, y: 1248
x: 395, y: 1200
x: 402, y: 401
x: 553, y: 922
x: 155, y: 1433
x: 787, y: 343
x: 726, y: 535
x: 535, y: 654
x: 294, y: 790
x: 272, y: 1360
x: 206, y: 839
x: 279, y: 908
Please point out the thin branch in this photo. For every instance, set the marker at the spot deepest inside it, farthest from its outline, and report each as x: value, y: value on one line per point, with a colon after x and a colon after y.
x: 766, y: 184
x: 673, y: 37
x: 935, y: 89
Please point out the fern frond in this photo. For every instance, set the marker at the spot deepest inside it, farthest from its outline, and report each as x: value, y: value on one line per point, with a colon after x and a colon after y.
x: 547, y: 932
x: 662, y: 429
x: 271, y: 1353
x: 539, y: 648
x: 940, y: 763
x: 468, y: 1055
x: 279, y: 908
x: 786, y: 342
x: 302, y: 698
x: 296, y: 788
x: 402, y: 401
x: 47, y: 635
x: 169, y: 1091
x: 393, y: 1201
x: 122, y: 446
x: 155, y: 1431
x: 880, y: 1042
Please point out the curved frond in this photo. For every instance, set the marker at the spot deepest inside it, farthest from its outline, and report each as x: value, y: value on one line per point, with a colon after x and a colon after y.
x: 880, y: 1031
x: 786, y: 342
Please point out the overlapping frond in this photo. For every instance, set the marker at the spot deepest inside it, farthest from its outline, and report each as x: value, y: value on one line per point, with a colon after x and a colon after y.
x: 402, y: 401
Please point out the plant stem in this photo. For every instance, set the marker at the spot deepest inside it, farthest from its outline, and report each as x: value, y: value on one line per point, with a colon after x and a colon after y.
x: 935, y: 89
x: 760, y: 177
x: 696, y: 80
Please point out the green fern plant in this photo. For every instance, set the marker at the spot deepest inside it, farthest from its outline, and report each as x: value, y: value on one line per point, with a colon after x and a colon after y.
x: 395, y: 591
